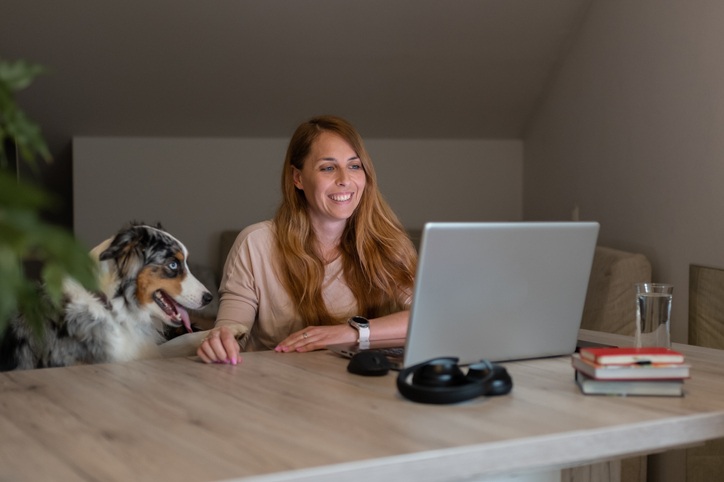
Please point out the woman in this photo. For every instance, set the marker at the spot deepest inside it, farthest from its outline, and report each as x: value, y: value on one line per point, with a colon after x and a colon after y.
x: 334, y: 250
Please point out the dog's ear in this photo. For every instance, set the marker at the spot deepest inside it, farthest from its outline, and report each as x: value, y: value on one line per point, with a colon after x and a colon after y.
x: 126, y: 250
x: 136, y: 223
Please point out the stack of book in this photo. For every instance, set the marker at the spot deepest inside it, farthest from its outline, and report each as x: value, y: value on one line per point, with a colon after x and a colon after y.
x: 630, y: 371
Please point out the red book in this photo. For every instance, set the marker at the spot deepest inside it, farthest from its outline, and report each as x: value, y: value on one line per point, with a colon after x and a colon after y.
x: 631, y: 371
x: 628, y: 356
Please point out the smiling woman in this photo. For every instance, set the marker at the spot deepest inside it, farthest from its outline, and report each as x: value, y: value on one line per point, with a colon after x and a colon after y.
x: 334, y: 250
x: 333, y: 181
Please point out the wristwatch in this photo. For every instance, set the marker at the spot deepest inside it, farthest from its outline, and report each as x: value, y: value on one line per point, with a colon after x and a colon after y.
x: 362, y: 325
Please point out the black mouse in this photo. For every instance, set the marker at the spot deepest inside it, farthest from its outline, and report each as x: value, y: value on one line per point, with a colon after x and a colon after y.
x: 369, y: 363
x: 500, y: 383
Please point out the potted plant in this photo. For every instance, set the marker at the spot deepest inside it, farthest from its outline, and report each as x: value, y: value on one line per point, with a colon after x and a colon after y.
x: 25, y: 238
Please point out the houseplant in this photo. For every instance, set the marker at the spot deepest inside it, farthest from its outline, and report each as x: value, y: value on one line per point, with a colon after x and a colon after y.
x: 25, y: 239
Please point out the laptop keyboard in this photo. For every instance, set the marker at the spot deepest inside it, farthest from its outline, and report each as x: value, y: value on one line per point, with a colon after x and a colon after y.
x: 393, y: 352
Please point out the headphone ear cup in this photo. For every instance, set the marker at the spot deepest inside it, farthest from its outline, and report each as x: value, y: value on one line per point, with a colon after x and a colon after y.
x: 500, y: 383
x: 440, y: 381
x: 440, y: 372
x: 479, y: 371
x: 495, y: 377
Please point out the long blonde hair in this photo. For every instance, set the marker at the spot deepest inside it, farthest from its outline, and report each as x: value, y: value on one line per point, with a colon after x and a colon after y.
x: 378, y: 257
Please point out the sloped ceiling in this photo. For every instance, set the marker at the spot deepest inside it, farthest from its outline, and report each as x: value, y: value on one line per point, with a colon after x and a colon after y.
x: 395, y: 68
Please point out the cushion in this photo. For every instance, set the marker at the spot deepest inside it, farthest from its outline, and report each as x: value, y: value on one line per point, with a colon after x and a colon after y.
x: 610, y: 301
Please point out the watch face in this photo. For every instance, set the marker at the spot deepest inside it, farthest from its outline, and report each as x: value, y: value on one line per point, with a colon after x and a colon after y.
x: 363, y: 322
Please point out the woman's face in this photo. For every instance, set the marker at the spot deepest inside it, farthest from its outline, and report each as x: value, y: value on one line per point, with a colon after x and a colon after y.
x: 332, y: 179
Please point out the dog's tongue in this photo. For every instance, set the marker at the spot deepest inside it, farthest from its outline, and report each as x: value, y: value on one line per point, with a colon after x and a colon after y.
x: 184, y: 317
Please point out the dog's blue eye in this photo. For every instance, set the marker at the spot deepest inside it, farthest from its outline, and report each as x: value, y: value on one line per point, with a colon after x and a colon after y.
x: 173, y: 265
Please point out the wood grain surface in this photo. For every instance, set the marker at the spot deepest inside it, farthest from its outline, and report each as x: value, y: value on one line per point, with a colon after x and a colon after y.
x: 304, y: 417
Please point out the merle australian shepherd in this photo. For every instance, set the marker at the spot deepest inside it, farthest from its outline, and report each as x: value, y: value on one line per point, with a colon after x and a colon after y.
x: 145, y: 286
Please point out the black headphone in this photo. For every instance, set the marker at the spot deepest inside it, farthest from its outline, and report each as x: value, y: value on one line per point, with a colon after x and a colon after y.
x: 441, y: 381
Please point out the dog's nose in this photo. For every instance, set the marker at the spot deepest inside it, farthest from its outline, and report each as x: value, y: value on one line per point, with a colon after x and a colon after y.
x: 206, y: 298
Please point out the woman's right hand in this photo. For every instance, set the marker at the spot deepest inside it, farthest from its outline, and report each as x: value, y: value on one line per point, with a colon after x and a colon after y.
x: 219, y: 346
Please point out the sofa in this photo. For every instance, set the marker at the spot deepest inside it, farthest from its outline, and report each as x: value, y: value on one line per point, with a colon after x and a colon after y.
x: 610, y: 305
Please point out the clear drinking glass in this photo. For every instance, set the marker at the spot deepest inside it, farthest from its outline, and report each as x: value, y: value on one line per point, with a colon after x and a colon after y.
x: 653, y: 314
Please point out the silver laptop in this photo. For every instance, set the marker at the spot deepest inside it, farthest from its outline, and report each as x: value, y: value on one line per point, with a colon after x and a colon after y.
x: 496, y: 291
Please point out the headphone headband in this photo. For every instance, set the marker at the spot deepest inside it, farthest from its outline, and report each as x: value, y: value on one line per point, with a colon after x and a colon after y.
x: 441, y: 381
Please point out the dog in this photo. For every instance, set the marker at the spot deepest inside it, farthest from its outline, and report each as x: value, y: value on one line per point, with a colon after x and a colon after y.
x: 145, y: 287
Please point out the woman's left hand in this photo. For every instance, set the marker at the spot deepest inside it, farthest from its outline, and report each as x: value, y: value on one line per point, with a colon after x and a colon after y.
x: 317, y: 337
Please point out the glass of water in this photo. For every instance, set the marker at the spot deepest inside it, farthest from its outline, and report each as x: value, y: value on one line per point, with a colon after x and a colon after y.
x: 653, y: 314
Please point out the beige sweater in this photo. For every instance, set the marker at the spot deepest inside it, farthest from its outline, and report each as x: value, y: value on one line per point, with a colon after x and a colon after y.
x: 254, y: 302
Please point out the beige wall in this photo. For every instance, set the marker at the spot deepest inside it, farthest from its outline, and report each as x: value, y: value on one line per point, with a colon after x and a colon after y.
x: 198, y: 187
x: 632, y: 132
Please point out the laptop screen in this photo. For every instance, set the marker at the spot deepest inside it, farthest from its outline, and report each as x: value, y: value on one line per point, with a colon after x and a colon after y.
x: 499, y: 291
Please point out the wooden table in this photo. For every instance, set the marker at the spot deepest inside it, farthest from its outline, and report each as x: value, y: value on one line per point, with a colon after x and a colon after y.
x: 303, y: 417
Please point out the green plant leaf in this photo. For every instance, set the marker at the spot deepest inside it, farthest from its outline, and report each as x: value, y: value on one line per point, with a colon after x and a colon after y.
x: 14, y: 124
x: 24, y: 238
x: 19, y: 75
x: 11, y: 276
x: 15, y: 195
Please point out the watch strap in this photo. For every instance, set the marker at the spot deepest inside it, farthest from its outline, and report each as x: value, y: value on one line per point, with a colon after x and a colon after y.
x: 362, y: 325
